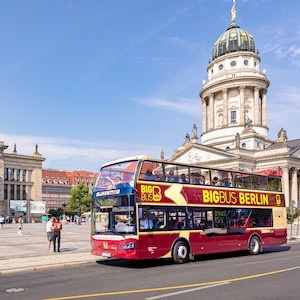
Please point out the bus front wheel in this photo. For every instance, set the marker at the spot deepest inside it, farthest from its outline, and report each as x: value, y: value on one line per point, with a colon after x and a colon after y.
x: 180, y: 252
x: 254, y: 245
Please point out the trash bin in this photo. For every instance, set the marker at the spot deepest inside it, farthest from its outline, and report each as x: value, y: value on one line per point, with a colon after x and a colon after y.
x: 44, y: 219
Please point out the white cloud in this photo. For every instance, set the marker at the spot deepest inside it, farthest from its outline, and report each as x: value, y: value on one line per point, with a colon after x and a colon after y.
x: 284, y: 109
x: 288, y: 95
x: 294, y: 51
x: 182, y: 43
x: 74, y: 154
x: 186, y: 106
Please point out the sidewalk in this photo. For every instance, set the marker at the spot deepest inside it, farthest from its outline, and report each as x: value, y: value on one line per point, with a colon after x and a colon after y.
x: 29, y: 251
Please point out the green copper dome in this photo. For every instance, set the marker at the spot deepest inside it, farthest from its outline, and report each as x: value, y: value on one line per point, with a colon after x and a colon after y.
x: 233, y: 39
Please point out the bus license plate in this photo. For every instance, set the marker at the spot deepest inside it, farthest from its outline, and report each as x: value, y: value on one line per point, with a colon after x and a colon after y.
x: 105, y: 254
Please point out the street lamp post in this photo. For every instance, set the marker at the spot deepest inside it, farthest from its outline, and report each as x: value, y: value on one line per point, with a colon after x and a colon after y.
x: 78, y: 211
x: 64, y: 212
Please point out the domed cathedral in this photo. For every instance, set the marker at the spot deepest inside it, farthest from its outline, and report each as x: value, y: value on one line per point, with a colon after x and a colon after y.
x: 234, y: 117
x: 234, y: 98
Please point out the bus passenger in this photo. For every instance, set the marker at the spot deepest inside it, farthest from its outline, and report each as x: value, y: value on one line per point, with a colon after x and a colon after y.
x: 149, y: 175
x: 171, y: 177
x: 145, y: 222
x: 183, y: 179
x: 195, y: 180
x: 216, y: 181
x: 173, y: 223
x: 202, y: 180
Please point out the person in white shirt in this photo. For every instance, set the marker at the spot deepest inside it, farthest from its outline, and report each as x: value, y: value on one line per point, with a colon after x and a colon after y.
x: 2, y: 221
x: 145, y: 222
x: 50, y: 231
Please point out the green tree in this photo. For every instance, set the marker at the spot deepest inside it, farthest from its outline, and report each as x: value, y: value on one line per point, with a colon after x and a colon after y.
x: 53, y: 212
x: 60, y: 211
x: 80, y: 200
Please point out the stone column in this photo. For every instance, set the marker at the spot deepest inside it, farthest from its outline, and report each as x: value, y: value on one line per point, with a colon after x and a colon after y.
x: 8, y: 198
x: 211, y: 111
x: 15, y: 191
x: 204, y: 129
x: 264, y: 108
x: 225, y: 107
x: 256, y: 111
x: 21, y: 191
x: 242, y: 105
x: 294, y: 191
x: 298, y: 193
x: 2, y: 204
x: 286, y: 186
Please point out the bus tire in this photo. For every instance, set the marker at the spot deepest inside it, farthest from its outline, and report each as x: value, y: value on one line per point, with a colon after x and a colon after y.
x: 180, y: 252
x: 254, y: 245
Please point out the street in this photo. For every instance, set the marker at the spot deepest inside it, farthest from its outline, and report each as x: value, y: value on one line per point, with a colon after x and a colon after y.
x: 271, y: 275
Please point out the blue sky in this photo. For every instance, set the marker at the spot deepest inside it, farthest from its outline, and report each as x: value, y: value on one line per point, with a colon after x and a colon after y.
x: 92, y: 81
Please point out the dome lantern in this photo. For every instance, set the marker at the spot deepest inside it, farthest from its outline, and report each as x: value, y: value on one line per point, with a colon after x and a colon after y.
x: 233, y: 39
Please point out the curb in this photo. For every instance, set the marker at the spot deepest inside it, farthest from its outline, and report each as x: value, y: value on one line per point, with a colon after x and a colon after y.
x: 45, y: 267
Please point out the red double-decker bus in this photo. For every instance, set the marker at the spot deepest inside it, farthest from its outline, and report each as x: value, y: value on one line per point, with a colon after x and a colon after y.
x: 149, y: 209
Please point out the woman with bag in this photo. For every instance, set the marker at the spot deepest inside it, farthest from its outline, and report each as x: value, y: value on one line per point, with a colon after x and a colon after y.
x: 57, y: 228
x: 50, y: 231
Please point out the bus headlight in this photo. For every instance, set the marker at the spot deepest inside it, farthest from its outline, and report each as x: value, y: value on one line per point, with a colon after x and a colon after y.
x: 129, y: 246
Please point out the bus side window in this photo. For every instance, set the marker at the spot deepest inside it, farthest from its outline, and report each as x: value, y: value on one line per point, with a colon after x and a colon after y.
x: 158, y: 217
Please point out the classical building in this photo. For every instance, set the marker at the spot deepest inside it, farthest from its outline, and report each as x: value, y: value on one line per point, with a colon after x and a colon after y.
x: 20, y: 180
x: 58, y: 184
x: 234, y: 116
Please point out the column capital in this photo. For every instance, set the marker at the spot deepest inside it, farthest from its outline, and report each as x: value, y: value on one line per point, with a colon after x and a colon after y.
x: 285, y: 169
x: 256, y: 89
x: 225, y: 90
x: 211, y: 96
x: 242, y: 88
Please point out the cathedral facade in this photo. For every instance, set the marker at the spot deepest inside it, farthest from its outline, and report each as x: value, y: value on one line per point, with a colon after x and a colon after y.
x: 234, y: 117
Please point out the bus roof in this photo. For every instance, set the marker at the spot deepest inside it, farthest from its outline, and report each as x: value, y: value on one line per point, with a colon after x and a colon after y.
x: 137, y: 157
x: 145, y: 157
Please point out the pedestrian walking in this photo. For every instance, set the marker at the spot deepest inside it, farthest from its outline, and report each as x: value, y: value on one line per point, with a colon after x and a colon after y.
x: 50, y: 231
x: 2, y: 220
x: 57, y: 230
x: 20, y: 225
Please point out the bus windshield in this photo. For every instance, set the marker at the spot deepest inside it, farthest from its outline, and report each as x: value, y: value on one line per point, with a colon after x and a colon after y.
x: 115, y: 214
x: 116, y: 176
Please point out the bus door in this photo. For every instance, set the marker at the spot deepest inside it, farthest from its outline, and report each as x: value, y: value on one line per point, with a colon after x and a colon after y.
x: 154, y: 238
x: 201, y: 237
x: 230, y: 228
x: 224, y: 230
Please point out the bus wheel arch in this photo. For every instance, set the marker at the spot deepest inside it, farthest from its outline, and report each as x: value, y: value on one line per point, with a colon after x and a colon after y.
x: 255, y: 244
x: 181, y: 250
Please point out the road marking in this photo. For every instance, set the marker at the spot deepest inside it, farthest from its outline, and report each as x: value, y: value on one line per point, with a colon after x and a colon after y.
x: 175, y: 287
x: 266, y: 261
x: 186, y: 291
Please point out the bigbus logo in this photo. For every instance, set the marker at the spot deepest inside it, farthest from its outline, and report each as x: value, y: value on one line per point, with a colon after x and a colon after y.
x: 150, y: 193
x: 278, y: 200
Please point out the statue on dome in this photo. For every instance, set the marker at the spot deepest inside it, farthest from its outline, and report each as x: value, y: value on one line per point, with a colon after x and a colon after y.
x: 248, y: 123
x: 195, y: 131
x: 162, y: 154
x: 187, y: 140
x: 237, y: 140
x: 195, y: 134
x: 233, y: 13
x: 282, y: 136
